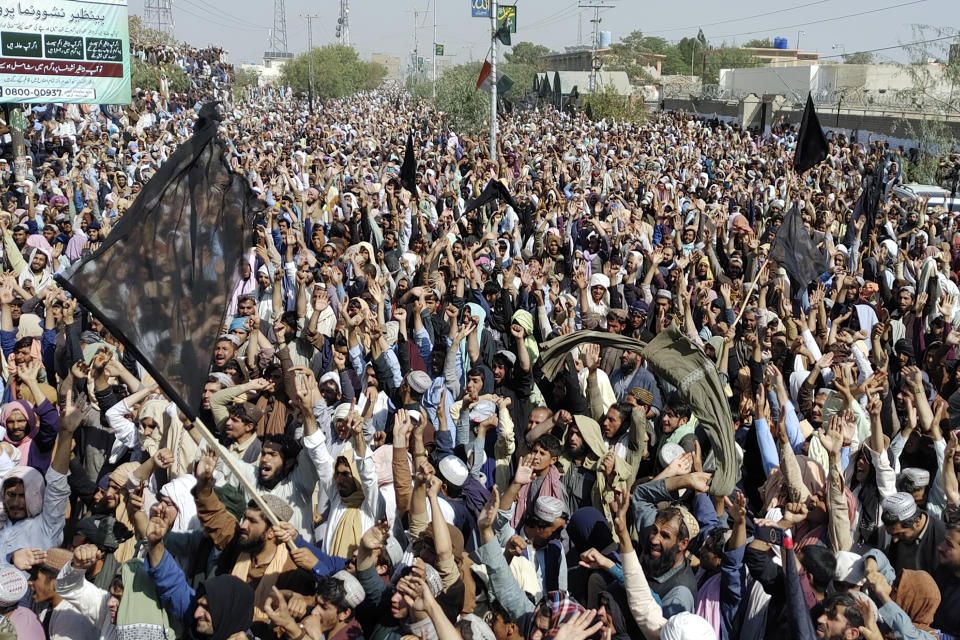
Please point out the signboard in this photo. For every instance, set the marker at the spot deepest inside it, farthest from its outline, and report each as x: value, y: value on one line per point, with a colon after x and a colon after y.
x: 508, y: 13
x: 65, y: 51
x: 480, y: 8
x: 438, y: 50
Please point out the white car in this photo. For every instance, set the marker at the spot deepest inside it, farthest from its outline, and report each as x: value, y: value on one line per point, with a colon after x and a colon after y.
x: 938, y: 196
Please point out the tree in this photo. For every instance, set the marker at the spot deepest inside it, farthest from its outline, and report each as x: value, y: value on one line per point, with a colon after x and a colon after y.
x: 466, y: 109
x: 860, y: 57
x: 142, y: 36
x: 146, y: 76
x: 527, y: 53
x: 608, y: 104
x: 933, y: 137
x: 725, y: 57
x: 759, y: 43
x: 338, y: 71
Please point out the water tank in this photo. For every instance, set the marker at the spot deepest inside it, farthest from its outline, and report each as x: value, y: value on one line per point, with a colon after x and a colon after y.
x: 779, y: 43
x: 606, y: 38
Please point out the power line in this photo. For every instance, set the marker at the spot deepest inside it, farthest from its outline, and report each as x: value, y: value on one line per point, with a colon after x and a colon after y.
x: 895, y: 46
x: 804, y: 24
x: 208, y: 18
x: 553, y: 16
x: 750, y: 17
x: 220, y: 14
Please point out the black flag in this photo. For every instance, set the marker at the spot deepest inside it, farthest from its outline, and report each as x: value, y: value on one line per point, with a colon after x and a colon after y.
x: 796, y: 251
x: 162, y: 280
x: 493, y: 191
x: 812, y: 147
x: 408, y: 170
x: 866, y: 206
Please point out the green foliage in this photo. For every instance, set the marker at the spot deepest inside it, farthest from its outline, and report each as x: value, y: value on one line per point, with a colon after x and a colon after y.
x: 933, y: 137
x: 632, y: 53
x: 142, y: 35
x: 337, y: 72
x: 529, y: 54
x: 466, y: 109
x: 522, y: 76
x: 725, y: 57
x: 610, y: 105
x: 860, y: 57
x: 147, y: 76
x: 759, y: 43
x: 246, y: 78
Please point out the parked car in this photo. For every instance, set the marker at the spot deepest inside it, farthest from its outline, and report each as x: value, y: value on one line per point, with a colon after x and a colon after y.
x: 937, y: 196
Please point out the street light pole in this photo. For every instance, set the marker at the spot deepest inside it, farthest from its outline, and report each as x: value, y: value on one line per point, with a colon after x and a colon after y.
x: 493, y: 83
x: 435, y: 3
x: 801, y: 32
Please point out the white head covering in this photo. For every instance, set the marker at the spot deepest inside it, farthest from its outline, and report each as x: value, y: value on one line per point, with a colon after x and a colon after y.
x: 687, y: 626
x: 180, y: 492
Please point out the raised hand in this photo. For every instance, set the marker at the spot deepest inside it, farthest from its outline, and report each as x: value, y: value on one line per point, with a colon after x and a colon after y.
x: 524, y: 473
x: 832, y: 438
x: 85, y: 556
x: 376, y: 536
x: 205, y: 466
x: 488, y: 515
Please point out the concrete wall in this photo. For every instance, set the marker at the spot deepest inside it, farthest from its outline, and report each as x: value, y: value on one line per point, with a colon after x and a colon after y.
x: 766, y: 80
x: 899, y: 127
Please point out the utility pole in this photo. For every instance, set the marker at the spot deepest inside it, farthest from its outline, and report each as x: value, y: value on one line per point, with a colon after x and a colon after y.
x: 493, y: 84
x: 596, y: 6
x: 416, y: 46
x: 310, y: 20
x: 435, y: 3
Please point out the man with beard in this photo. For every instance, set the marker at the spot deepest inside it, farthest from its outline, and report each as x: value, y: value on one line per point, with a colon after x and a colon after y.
x: 668, y: 532
x: 250, y: 548
x: 223, y: 607
x: 631, y: 374
x: 841, y: 618
x: 289, y: 471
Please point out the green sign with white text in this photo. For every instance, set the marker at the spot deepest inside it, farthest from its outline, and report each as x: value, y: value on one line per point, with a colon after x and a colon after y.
x: 65, y: 51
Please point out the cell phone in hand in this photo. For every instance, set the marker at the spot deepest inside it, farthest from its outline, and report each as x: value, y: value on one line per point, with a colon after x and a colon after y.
x: 770, y: 534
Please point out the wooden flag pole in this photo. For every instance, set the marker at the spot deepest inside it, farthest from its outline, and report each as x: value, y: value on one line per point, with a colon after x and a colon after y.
x: 746, y: 298
x: 231, y: 463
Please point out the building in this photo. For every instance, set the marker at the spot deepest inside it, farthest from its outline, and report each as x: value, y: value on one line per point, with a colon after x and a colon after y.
x: 772, y: 57
x: 581, y: 59
x: 865, y: 83
x: 555, y: 87
x: 390, y: 63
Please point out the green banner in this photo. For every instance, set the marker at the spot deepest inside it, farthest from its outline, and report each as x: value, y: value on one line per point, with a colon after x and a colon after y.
x: 439, y: 50
x: 508, y: 13
x: 65, y: 51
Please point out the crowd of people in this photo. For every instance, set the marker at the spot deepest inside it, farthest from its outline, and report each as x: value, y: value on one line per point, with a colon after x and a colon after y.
x: 379, y: 385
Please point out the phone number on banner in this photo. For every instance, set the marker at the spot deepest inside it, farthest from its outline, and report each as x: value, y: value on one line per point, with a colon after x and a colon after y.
x: 28, y: 93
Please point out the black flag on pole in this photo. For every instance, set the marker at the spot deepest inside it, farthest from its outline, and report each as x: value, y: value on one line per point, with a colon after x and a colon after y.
x: 812, y: 147
x: 493, y: 191
x: 162, y: 280
x: 796, y: 251
x: 408, y: 170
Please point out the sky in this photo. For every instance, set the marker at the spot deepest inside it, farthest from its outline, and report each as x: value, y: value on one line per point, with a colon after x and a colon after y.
x: 378, y: 26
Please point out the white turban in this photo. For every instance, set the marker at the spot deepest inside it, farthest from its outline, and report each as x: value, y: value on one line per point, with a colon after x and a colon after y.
x: 687, y: 626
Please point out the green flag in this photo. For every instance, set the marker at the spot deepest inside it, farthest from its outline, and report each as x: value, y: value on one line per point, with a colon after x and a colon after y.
x: 503, y: 33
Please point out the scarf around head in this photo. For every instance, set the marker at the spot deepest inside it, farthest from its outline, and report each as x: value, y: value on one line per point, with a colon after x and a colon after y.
x: 349, y: 529
x: 919, y: 597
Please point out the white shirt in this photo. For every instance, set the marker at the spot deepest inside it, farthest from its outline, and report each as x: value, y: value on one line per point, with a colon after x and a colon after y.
x: 44, y: 530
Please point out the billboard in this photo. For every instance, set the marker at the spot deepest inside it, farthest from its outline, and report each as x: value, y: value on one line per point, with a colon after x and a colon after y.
x: 65, y: 51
